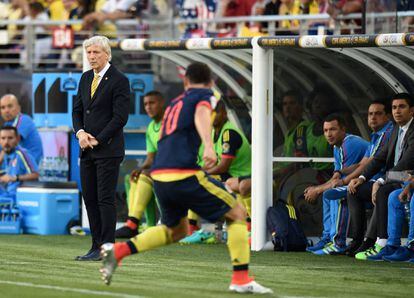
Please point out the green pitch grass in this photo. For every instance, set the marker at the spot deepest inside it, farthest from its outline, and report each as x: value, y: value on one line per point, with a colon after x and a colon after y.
x: 43, y: 266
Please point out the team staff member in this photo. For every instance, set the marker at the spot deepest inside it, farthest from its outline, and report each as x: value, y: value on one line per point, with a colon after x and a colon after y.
x: 99, y: 114
x: 29, y: 136
x: 348, y: 152
x: 397, y: 155
x: 381, y: 126
x: 17, y: 165
x: 141, y: 191
x: 181, y: 185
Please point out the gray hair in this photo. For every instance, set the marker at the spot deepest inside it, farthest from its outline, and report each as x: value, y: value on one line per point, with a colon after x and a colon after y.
x: 101, y: 41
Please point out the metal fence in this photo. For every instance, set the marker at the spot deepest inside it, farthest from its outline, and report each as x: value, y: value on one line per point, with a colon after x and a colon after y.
x: 29, y: 45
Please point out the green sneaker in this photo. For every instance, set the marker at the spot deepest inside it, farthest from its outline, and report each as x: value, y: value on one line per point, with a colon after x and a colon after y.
x: 369, y: 252
x: 210, y: 240
x: 197, y: 237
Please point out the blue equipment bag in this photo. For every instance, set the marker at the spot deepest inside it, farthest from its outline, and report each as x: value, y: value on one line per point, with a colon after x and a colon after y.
x: 282, y: 223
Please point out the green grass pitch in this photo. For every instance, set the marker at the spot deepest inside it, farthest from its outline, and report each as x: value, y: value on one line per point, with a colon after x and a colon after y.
x: 43, y: 266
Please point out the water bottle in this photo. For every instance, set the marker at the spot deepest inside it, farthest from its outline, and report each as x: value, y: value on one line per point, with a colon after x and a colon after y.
x: 5, y: 214
x: 65, y: 168
x: 54, y: 169
x: 224, y: 234
x: 48, y: 169
x: 407, y: 211
x: 58, y: 169
x: 15, y: 213
x: 42, y: 173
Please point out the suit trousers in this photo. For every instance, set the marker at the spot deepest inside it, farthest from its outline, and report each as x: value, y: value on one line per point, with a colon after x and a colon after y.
x: 357, y: 204
x: 99, y: 179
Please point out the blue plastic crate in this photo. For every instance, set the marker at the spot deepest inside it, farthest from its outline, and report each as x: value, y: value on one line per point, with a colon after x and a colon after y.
x: 11, y: 227
x: 47, y: 211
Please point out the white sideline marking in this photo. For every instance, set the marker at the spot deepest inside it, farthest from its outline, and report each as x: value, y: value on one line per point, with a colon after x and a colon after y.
x: 63, y: 289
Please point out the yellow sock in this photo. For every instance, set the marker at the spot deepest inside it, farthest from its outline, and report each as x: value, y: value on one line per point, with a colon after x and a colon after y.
x: 238, y: 243
x: 141, y: 197
x: 153, y: 237
x: 192, y: 215
x: 132, y: 197
x: 247, y: 203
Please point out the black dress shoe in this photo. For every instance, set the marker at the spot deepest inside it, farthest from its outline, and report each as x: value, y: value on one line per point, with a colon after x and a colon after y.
x: 352, y: 247
x: 92, y: 255
x: 126, y: 232
x: 89, y: 251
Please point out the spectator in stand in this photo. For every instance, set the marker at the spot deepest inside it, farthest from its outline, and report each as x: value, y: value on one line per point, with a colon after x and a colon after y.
x: 314, y: 7
x: 406, y: 5
x: 17, y: 10
x: 289, y: 7
x: 258, y: 9
x: 54, y: 8
x: 236, y: 8
x: 343, y: 7
x: 12, y: 11
x: 29, y: 136
x: 71, y: 11
x: 111, y: 10
x: 271, y: 8
x: 43, y: 44
x: 192, y: 10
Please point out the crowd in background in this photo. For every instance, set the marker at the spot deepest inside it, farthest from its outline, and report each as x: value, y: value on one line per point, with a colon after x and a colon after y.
x: 97, y: 17
x: 95, y: 12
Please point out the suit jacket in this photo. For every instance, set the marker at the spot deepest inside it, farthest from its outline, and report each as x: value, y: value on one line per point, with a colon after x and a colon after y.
x: 104, y: 115
x: 386, y: 156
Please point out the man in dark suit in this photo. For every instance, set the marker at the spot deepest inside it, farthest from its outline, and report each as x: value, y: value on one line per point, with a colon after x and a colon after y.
x: 100, y: 112
x: 397, y: 155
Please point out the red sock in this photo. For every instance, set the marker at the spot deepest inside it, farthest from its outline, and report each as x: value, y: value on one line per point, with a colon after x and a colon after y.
x: 249, y: 226
x: 130, y: 224
x: 241, y: 277
x: 121, y: 250
x: 192, y: 229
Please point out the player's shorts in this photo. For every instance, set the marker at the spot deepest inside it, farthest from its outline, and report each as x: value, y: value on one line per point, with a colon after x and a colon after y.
x: 202, y: 194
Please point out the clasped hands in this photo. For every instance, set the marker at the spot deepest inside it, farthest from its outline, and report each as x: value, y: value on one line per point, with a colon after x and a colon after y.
x: 87, y: 141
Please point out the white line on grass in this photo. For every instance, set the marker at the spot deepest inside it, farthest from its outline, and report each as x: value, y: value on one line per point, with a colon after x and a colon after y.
x: 63, y: 289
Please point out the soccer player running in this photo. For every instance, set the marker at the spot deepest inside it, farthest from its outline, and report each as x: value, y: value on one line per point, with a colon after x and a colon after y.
x: 180, y: 185
x: 233, y: 160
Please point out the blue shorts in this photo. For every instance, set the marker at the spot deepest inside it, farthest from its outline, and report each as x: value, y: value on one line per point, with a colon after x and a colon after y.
x: 202, y: 194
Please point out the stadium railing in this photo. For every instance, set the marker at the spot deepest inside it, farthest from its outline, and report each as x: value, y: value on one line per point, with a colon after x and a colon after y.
x: 20, y: 50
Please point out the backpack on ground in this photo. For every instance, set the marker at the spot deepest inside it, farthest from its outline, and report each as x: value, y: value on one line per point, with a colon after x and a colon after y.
x: 282, y: 223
